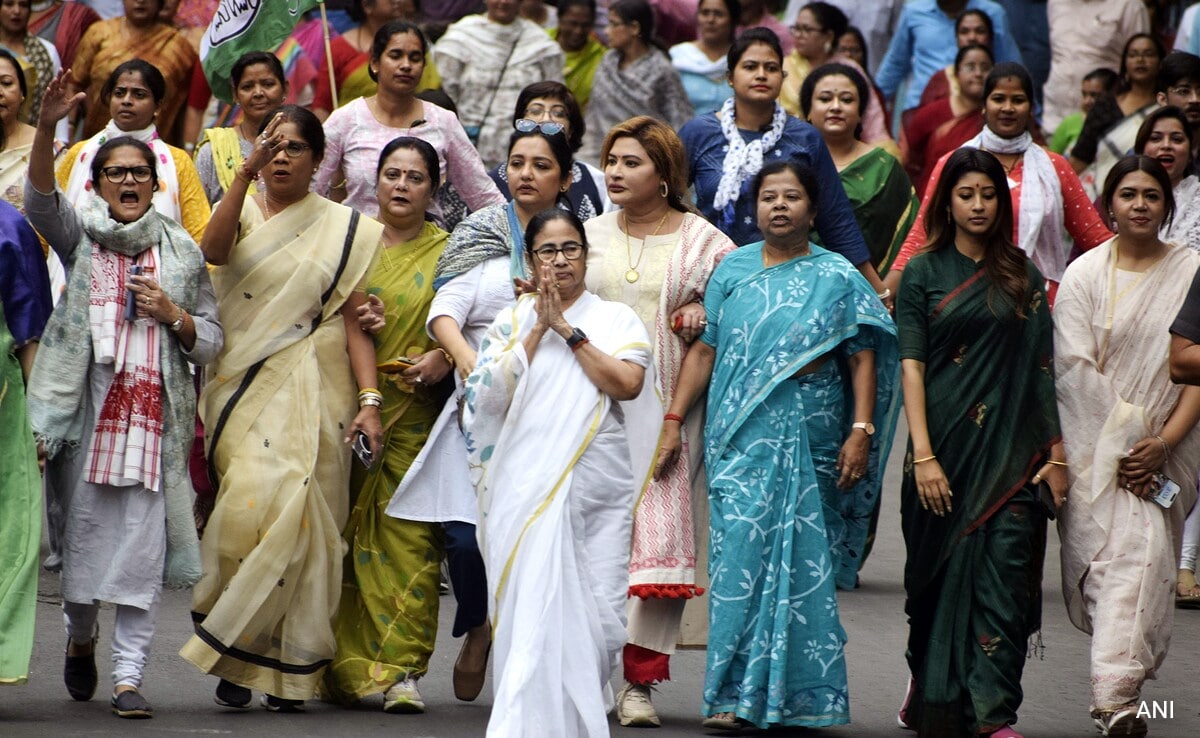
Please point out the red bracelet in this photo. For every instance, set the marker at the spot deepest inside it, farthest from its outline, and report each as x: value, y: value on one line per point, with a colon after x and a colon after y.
x: 579, y: 345
x: 673, y: 416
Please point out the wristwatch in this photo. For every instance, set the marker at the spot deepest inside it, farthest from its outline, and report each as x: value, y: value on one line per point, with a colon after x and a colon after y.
x: 577, y: 337
x: 868, y: 428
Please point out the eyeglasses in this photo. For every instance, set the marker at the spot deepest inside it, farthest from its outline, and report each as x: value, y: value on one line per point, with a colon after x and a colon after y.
x: 116, y: 175
x: 571, y: 251
x: 294, y: 149
x: 548, y: 127
x: 977, y: 67
x: 554, y: 111
x: 1185, y: 91
x: 805, y: 30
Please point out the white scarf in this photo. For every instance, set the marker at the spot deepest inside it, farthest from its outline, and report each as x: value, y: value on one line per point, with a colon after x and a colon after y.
x: 1040, y: 216
x: 127, y: 444
x: 743, y: 160
x: 166, y: 198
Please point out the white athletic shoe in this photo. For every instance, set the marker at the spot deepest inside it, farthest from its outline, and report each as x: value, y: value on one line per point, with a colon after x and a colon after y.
x: 403, y: 697
x: 634, y: 708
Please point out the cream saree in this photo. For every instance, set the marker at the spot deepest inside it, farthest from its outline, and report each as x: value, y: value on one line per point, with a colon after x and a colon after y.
x: 551, y: 463
x: 278, y: 398
x: 1118, y: 551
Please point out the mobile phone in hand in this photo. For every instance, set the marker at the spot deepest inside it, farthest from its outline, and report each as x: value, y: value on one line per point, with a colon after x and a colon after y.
x: 1168, y: 490
x: 362, y: 450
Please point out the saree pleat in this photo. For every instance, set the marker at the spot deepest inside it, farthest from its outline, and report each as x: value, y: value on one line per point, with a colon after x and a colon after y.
x: 386, y: 623
x: 275, y: 408
x: 989, y: 398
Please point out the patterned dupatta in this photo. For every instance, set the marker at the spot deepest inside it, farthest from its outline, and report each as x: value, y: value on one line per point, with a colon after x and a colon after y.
x: 780, y: 319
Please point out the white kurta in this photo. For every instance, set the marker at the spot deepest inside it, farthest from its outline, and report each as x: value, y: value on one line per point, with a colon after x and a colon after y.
x: 437, y: 488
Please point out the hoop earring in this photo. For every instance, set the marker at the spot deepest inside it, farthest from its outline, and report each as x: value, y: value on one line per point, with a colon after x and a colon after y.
x: 663, y: 190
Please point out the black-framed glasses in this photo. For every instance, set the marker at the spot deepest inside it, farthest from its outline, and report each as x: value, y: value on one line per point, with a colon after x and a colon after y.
x: 294, y: 149
x: 116, y: 175
x: 548, y: 127
x: 571, y: 251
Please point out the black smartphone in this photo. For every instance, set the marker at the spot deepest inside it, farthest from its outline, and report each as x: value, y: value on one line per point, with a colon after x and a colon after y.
x: 130, y: 297
x: 362, y: 450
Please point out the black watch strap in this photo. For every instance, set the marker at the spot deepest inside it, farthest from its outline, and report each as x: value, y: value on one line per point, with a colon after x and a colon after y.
x: 577, y: 337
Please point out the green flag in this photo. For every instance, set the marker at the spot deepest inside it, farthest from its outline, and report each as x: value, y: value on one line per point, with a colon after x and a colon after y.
x: 240, y: 26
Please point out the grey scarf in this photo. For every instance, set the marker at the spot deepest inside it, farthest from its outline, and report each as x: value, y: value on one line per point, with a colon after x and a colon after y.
x: 58, y: 384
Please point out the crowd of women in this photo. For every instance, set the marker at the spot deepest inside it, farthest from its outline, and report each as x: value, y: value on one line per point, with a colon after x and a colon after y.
x: 603, y: 347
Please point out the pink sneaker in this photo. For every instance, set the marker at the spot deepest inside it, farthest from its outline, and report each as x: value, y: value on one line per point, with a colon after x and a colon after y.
x: 1006, y: 732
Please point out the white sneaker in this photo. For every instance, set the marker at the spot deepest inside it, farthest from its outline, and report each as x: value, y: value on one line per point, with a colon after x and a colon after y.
x: 403, y: 697
x: 634, y: 708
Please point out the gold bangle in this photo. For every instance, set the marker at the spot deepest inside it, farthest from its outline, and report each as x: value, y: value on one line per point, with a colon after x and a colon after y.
x: 1057, y: 463
x: 922, y: 461
x: 368, y: 391
x: 242, y: 175
x: 449, y: 358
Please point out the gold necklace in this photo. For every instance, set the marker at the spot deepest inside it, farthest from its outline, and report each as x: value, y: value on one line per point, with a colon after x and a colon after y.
x: 632, y: 275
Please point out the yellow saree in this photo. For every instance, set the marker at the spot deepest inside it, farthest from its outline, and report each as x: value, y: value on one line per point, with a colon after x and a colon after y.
x: 278, y: 398
x: 386, y: 624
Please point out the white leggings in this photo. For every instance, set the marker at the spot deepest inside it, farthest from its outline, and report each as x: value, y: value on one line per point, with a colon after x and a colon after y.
x: 133, y: 631
x: 1191, y: 540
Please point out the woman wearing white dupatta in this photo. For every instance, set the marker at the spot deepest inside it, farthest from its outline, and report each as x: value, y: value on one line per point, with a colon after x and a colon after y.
x: 1126, y: 427
x: 1046, y: 194
x: 551, y: 463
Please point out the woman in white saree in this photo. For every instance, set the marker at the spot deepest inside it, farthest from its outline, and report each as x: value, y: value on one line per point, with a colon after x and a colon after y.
x: 1128, y: 433
x: 550, y: 461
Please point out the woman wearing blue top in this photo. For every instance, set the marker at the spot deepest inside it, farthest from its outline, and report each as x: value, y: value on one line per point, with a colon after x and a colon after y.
x: 726, y: 150
x: 701, y: 63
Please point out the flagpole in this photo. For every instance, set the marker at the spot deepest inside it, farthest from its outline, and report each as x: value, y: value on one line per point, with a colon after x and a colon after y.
x: 333, y: 91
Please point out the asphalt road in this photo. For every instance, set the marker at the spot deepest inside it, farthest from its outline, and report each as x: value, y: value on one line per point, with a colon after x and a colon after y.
x: 1056, y: 686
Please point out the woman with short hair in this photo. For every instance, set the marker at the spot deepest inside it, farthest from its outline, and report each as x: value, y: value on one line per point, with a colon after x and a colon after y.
x: 111, y: 397
x: 550, y: 460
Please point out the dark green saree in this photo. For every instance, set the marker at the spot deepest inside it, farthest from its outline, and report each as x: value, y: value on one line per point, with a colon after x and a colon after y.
x: 973, y: 578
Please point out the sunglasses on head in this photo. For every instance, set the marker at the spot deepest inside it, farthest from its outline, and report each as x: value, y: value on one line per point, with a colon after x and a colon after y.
x: 550, y: 128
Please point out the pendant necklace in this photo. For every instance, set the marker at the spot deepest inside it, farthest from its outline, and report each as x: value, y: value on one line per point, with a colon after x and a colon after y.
x: 632, y: 275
